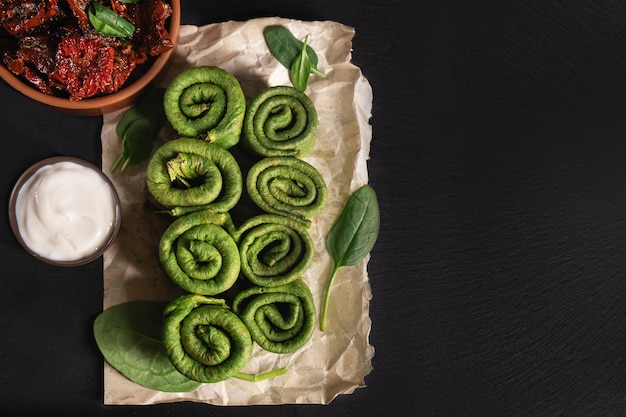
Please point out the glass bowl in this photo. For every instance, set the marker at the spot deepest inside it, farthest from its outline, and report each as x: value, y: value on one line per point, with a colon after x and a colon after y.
x: 63, y: 210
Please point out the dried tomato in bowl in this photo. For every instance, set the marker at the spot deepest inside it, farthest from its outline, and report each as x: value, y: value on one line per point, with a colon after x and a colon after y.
x: 20, y: 16
x: 88, y: 67
x: 55, y: 46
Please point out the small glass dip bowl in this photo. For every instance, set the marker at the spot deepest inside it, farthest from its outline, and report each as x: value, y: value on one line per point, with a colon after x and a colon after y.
x: 65, y: 211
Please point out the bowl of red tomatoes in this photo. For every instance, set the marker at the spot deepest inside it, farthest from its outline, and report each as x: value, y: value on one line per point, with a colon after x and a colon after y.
x: 86, y: 57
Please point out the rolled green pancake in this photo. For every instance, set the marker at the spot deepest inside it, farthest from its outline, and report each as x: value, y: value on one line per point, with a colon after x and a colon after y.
x: 288, y: 186
x: 280, y: 319
x: 189, y: 174
x: 274, y: 250
x: 204, y: 339
x: 206, y: 102
x: 198, y: 254
x: 280, y: 121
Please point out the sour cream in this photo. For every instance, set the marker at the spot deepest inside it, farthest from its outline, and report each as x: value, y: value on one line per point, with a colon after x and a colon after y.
x: 65, y: 211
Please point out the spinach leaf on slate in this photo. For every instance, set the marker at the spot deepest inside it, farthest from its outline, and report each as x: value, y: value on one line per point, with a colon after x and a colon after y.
x: 129, y: 337
x: 352, y: 236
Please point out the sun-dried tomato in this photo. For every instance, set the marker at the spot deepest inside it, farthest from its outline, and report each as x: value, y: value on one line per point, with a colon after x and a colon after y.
x: 34, y: 60
x: 79, y: 9
x: 19, y: 66
x: 88, y: 67
x: 38, y: 51
x: 150, y: 18
x: 19, y: 16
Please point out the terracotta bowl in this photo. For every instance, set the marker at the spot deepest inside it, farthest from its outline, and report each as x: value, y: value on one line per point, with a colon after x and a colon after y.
x: 111, y: 102
x: 15, y: 224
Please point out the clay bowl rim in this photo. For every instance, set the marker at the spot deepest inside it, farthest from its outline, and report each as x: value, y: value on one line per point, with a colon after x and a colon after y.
x: 117, y: 223
x: 107, y: 103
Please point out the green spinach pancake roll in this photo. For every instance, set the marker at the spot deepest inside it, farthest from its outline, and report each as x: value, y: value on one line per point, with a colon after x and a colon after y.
x: 288, y: 186
x: 204, y: 339
x: 274, y: 250
x: 186, y: 174
x: 208, y: 103
x: 198, y: 254
x: 280, y: 121
x: 280, y: 319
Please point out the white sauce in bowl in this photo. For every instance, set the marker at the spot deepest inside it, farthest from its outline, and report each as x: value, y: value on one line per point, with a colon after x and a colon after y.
x: 65, y: 211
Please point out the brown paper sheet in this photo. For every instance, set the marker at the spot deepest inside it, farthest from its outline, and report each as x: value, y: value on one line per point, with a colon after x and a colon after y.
x: 333, y: 362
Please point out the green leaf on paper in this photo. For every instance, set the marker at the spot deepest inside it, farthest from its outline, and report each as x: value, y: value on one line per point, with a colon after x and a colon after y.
x: 138, y: 129
x: 352, y: 236
x: 301, y: 69
x: 129, y: 337
x: 293, y: 54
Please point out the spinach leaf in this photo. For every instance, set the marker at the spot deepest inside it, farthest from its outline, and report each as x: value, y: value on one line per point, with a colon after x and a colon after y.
x: 284, y: 46
x: 106, y: 22
x: 137, y: 142
x: 287, y: 49
x: 352, y: 236
x: 138, y: 128
x: 129, y: 337
x: 301, y: 68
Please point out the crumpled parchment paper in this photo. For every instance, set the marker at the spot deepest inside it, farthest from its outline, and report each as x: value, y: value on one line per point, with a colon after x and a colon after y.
x: 333, y: 362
